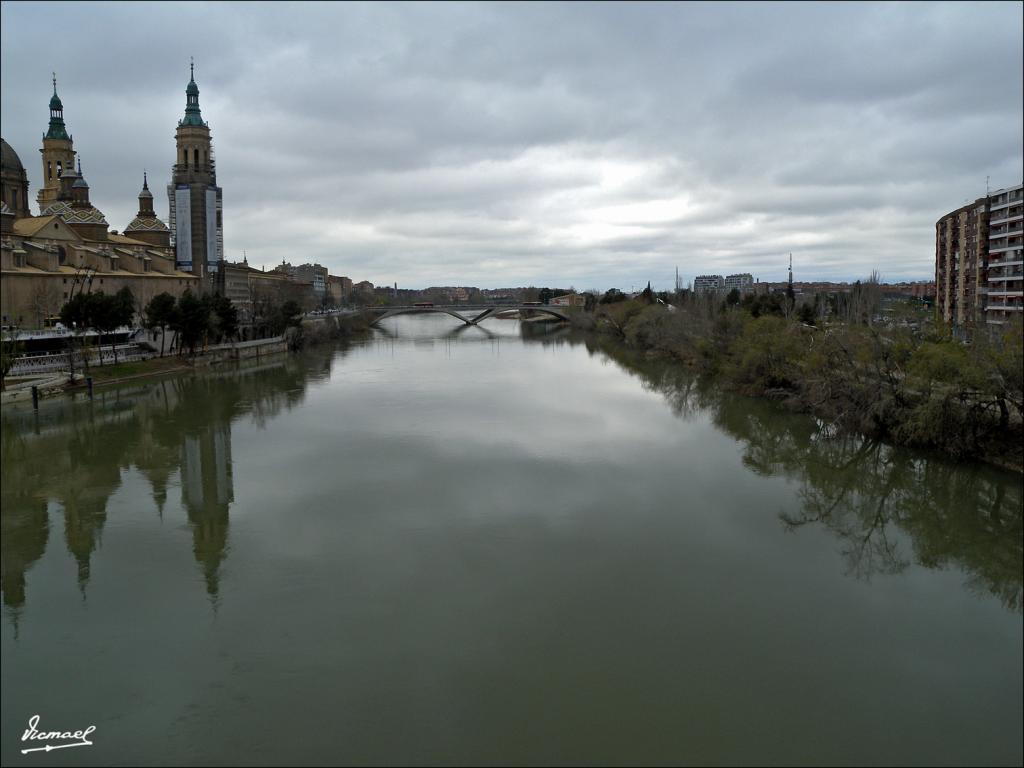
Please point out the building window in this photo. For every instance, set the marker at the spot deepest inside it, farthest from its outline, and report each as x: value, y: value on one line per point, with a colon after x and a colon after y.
x: 196, y: 156
x: 49, y: 170
x: 14, y: 199
x: 65, y: 292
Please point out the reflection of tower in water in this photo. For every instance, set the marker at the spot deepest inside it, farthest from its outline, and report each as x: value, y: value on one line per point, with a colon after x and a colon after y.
x: 207, y: 491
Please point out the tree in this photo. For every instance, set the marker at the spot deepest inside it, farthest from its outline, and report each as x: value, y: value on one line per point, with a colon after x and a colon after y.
x: 191, y: 321
x: 732, y: 298
x: 45, y: 299
x: 159, y: 313
x: 124, y: 307
x: 226, y: 315
x: 613, y: 295
x: 75, y: 315
x: 107, y: 313
x: 544, y: 295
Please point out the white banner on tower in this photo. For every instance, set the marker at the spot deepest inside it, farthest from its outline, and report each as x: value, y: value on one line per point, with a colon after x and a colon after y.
x: 183, y: 227
x: 212, y: 253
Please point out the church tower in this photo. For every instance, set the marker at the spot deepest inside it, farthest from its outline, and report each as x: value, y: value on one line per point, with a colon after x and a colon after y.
x: 58, y: 152
x: 195, y: 198
x: 146, y: 226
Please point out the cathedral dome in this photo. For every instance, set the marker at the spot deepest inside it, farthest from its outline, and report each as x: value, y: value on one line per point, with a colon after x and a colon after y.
x: 10, y: 160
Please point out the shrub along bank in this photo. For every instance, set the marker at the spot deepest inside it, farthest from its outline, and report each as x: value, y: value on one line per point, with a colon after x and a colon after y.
x: 911, y: 384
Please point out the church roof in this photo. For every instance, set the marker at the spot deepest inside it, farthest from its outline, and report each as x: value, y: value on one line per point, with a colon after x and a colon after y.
x: 146, y: 224
x: 114, y: 238
x: 30, y: 225
x: 72, y: 215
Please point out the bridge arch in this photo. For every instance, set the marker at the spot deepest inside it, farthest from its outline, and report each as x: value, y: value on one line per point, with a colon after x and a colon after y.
x: 483, y: 312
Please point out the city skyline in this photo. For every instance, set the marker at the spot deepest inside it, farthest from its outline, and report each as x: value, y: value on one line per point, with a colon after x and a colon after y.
x: 592, y: 146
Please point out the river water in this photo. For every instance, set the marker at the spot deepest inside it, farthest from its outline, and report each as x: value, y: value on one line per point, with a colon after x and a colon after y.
x: 496, y: 546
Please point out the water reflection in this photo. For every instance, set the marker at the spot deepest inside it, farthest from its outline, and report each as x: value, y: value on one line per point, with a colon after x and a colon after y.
x: 887, y: 508
x: 874, y: 498
x: 72, y: 455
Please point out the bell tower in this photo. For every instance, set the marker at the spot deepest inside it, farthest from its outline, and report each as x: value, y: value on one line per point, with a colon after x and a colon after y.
x: 58, y: 152
x: 195, y: 199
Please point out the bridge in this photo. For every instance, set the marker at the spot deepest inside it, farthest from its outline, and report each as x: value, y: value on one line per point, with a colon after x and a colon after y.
x: 376, y: 314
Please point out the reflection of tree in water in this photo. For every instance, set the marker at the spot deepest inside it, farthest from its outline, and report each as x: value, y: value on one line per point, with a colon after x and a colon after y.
x: 73, y: 455
x: 956, y: 515
x: 24, y: 525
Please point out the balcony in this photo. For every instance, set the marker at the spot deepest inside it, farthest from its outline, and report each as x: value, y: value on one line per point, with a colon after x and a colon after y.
x: 1006, y: 248
x: 1005, y: 216
x: 1003, y: 206
x: 1007, y: 294
x: 1008, y: 232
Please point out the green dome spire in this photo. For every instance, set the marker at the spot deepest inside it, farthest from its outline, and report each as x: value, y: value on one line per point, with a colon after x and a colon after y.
x: 55, y: 99
x: 192, y: 114
x: 56, y: 129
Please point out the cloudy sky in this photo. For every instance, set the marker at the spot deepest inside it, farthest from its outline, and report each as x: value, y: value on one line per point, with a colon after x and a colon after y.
x: 592, y: 145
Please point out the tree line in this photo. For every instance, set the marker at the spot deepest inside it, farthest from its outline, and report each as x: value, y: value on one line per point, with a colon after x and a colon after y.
x: 195, y: 320
x: 905, y: 379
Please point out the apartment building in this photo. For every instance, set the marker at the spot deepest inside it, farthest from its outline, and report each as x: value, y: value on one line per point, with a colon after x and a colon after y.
x: 708, y: 283
x: 1005, y: 260
x: 744, y: 283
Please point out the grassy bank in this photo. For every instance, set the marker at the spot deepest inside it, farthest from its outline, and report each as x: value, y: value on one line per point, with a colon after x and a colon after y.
x: 153, y: 366
x: 910, y: 385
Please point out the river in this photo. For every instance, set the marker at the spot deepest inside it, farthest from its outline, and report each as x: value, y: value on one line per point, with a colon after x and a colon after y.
x: 504, y: 544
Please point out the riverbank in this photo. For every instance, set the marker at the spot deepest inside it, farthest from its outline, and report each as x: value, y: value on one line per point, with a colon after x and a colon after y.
x: 908, y: 387
x: 311, y: 331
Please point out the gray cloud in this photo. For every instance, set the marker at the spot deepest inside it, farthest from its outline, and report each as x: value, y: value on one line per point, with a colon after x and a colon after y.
x: 588, y: 144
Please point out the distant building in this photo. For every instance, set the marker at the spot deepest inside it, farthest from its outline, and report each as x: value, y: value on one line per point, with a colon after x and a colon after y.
x: 338, y: 287
x: 708, y: 283
x: 978, y: 276
x: 310, y: 281
x: 251, y: 290
x: 569, y: 300
x: 315, y: 275
x: 744, y: 283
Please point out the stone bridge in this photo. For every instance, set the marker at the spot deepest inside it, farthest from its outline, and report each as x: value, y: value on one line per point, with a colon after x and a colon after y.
x: 376, y: 314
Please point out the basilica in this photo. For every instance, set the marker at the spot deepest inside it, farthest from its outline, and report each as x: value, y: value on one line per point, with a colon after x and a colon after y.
x: 69, y: 246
